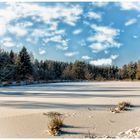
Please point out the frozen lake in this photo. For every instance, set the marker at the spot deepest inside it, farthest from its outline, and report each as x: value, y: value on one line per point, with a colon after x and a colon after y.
x: 85, y: 106
x: 74, y: 95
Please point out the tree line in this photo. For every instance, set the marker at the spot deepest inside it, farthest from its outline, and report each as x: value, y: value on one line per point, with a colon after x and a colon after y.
x: 22, y: 66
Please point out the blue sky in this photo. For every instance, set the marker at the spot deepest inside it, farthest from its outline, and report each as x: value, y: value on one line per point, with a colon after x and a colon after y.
x: 102, y: 33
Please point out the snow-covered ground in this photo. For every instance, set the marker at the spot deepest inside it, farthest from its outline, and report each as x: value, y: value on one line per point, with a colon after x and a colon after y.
x: 90, y: 101
x: 69, y: 95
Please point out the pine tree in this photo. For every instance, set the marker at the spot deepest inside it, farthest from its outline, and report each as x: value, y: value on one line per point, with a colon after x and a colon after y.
x: 12, y: 57
x: 24, y: 66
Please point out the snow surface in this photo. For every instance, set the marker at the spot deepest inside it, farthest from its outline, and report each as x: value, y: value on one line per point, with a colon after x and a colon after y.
x: 70, y: 95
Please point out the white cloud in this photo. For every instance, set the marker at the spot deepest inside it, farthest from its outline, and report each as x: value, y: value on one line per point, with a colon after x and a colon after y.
x: 104, y: 38
x: 105, y: 30
x: 57, y: 39
x: 29, y: 40
x: 70, y: 54
x: 56, y: 36
x: 135, y: 36
x: 82, y: 42
x: 24, y: 24
x: 62, y: 47
x: 61, y: 43
x: 97, y: 47
x: 18, y: 31
x: 62, y: 32
x: 7, y: 42
x: 100, y: 62
x: 2, y: 28
x: 106, y: 52
x: 66, y: 14
x: 86, y: 23
x: 104, y: 61
x: 71, y: 14
x: 100, y: 4
x: 93, y: 15
x: 130, y: 5
x: 85, y: 57
x: 15, y: 18
x: 113, y: 57
x: 7, y: 14
x: 130, y: 22
x: 42, y: 51
x: 19, y: 45
x: 77, y: 31
x: 39, y: 33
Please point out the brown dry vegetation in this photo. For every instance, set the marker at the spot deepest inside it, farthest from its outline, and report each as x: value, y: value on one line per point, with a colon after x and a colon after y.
x: 122, y: 106
x: 55, y: 124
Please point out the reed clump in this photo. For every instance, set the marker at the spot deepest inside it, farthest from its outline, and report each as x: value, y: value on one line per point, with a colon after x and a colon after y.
x: 55, y: 123
x: 122, y: 106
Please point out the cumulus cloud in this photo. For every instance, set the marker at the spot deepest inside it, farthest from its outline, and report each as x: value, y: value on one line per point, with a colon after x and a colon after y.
x: 100, y: 4
x: 2, y: 28
x: 100, y: 62
x: 7, y: 42
x: 130, y: 5
x: 77, y: 31
x: 85, y: 57
x: 70, y: 54
x: 130, y: 22
x: 93, y: 15
x: 39, y: 33
x: 7, y: 14
x: 24, y: 24
x: 42, y: 51
x: 18, y: 31
x: 104, y: 61
x: 104, y: 38
x: 60, y: 47
x: 67, y: 14
x: 113, y: 57
x: 57, y: 38
x: 97, y: 47
x: 22, y: 19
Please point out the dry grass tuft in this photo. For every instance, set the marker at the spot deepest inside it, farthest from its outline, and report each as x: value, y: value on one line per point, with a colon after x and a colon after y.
x: 55, y: 124
x: 54, y: 127
x: 52, y: 114
x: 122, y: 106
x: 115, y: 110
x: 58, y: 121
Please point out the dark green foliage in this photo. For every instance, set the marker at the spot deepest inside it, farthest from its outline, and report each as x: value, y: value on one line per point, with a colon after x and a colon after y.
x: 22, y: 66
x: 7, y: 66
